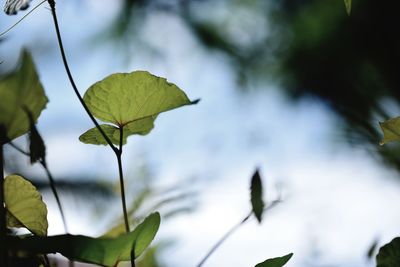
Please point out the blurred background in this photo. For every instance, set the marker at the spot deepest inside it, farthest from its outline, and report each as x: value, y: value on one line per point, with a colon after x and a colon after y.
x: 296, y: 88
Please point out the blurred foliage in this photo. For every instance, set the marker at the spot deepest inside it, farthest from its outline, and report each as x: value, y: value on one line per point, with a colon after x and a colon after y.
x: 313, y: 48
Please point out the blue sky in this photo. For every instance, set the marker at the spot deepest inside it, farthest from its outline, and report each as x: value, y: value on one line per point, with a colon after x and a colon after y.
x: 337, y: 199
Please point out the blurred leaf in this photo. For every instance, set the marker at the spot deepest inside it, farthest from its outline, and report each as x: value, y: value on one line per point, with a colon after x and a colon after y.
x: 37, y: 148
x: 133, y: 100
x: 372, y: 249
x: 276, y: 262
x: 25, y: 204
x: 391, y: 130
x: 389, y: 254
x: 140, y: 127
x: 347, y: 4
x: 18, y: 90
x: 256, y: 193
x: 103, y: 251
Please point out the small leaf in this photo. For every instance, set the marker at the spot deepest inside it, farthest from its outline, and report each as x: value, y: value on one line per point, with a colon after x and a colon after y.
x: 391, y: 130
x: 132, y: 100
x: 389, y: 254
x: 140, y: 127
x: 18, y: 90
x: 101, y: 251
x: 347, y: 4
x: 276, y: 262
x: 25, y: 204
x: 37, y: 148
x: 256, y: 193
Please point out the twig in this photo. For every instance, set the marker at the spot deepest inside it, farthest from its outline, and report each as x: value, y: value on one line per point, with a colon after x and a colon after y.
x: 230, y: 232
x: 27, y: 14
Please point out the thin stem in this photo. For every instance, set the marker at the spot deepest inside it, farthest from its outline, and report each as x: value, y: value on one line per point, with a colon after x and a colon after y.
x: 121, y: 179
x: 71, y: 79
x: 3, y: 230
x: 121, y: 182
x: 51, y: 183
x: 55, y: 193
x: 229, y: 233
x: 27, y: 14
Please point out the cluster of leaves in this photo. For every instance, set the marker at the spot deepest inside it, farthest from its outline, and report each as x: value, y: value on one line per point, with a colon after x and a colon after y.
x: 130, y: 102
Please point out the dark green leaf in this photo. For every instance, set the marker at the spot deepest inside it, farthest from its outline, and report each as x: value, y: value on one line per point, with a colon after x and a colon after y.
x: 37, y: 148
x: 102, y: 251
x: 389, y: 254
x: 391, y: 130
x: 276, y: 262
x: 18, y: 90
x: 256, y: 193
x: 25, y: 205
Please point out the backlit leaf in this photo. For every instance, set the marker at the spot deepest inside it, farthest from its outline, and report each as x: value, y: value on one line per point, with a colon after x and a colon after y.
x: 25, y: 204
x: 122, y: 98
x: 256, y: 193
x: 18, y: 91
x: 101, y: 251
x: 391, y: 130
x: 389, y: 254
x: 276, y: 262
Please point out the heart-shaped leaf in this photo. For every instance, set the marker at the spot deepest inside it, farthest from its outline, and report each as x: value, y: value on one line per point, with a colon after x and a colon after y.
x: 131, y: 101
x: 102, y: 251
x: 24, y: 205
x: 19, y: 91
x: 391, y: 130
x: 276, y: 262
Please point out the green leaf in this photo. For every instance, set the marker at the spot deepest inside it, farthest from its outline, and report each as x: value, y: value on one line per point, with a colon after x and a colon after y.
x: 347, y: 4
x: 37, y: 148
x: 276, y: 262
x: 102, y: 251
x: 18, y: 91
x: 25, y: 204
x: 132, y: 100
x: 391, y: 130
x: 256, y: 194
x: 140, y: 127
x: 389, y: 254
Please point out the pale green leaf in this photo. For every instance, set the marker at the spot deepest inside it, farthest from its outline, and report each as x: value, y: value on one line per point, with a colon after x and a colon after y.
x: 25, y: 203
x: 140, y: 127
x: 389, y: 254
x: 276, y: 262
x: 18, y: 91
x: 123, y: 98
x: 102, y: 251
x: 391, y: 130
x: 256, y: 195
x: 347, y: 4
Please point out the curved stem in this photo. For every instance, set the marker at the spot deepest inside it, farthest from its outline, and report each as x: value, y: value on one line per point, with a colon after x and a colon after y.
x: 71, y: 79
x: 229, y: 233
